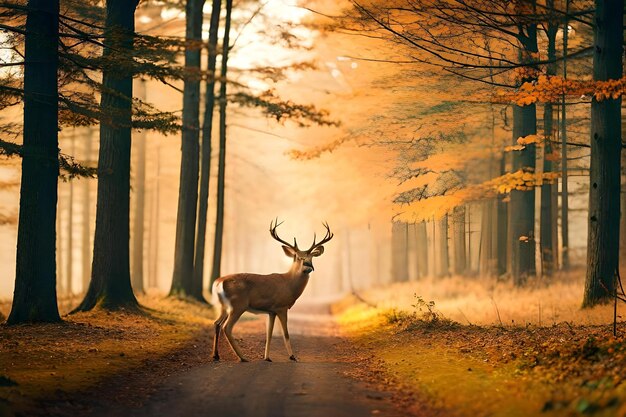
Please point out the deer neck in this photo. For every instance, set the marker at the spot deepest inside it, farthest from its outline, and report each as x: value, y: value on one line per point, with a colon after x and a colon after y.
x: 298, y: 279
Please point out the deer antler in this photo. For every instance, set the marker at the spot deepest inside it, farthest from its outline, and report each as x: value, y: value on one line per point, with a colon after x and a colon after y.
x: 273, y: 226
x: 329, y: 235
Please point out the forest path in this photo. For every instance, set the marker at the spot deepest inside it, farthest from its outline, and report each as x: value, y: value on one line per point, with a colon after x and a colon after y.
x: 317, y: 385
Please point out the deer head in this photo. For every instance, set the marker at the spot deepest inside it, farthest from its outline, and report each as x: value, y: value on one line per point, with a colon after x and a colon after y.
x: 302, y: 259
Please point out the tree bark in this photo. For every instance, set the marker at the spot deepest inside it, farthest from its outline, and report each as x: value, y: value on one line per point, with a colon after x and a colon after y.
x: 205, y: 168
x: 110, y: 286
x: 486, y: 258
x: 59, y: 244
x: 442, y: 248
x: 458, y: 227
x: 547, y: 221
x: 182, y: 280
x: 153, y: 246
x: 86, y: 217
x: 502, y: 229
x: 523, y: 201
x: 399, y: 258
x: 69, y: 276
x: 606, y: 144
x: 221, y: 168
x: 412, y: 258
x: 422, y: 249
x: 34, y: 298
x: 622, y: 224
x: 564, y: 175
x: 140, y: 202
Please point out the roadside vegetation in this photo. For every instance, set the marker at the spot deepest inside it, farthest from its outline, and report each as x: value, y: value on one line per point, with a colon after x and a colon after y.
x: 503, y: 368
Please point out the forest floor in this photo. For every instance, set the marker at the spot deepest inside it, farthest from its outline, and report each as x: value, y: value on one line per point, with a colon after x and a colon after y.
x: 423, y: 357
x: 408, y: 360
x: 44, y: 366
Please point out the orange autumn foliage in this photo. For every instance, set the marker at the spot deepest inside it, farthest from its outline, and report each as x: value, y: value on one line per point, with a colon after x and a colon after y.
x: 437, y: 206
x: 550, y: 89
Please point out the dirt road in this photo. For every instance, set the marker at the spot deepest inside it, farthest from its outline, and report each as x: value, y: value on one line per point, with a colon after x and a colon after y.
x: 317, y: 385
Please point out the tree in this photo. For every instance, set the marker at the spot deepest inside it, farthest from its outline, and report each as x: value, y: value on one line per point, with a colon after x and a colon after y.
x: 182, y: 281
x: 564, y: 174
x: 69, y: 276
x: 140, y: 197
x: 443, y: 257
x: 399, y: 252
x: 458, y: 228
x: 35, y: 299
x: 205, y: 167
x: 86, y: 216
x: 221, y: 168
x: 422, y: 249
x: 110, y: 286
x: 606, y: 144
x: 547, y: 229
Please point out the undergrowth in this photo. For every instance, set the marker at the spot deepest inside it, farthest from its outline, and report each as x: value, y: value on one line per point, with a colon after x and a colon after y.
x: 424, y: 315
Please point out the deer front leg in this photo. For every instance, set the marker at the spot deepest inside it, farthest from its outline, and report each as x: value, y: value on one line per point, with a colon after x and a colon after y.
x: 268, y: 339
x: 282, y: 316
x: 218, y: 328
x: 233, y: 316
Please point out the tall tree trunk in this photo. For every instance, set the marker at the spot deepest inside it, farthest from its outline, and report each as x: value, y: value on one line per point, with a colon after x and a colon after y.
x: 205, y: 168
x: 458, y: 228
x: 622, y: 224
x: 494, y: 221
x: 502, y: 229
x: 523, y: 201
x: 547, y: 221
x: 486, y: 257
x: 140, y: 200
x: 59, y: 243
x: 86, y: 217
x: 422, y: 249
x: 69, y: 276
x: 442, y: 248
x: 606, y: 144
x: 34, y: 298
x: 110, y: 286
x: 399, y: 258
x: 221, y: 167
x: 153, y: 265
x: 564, y: 175
x: 182, y: 280
x: 413, y: 267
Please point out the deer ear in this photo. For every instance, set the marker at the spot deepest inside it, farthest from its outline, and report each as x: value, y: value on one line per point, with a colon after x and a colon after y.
x: 289, y: 251
x: 317, y: 251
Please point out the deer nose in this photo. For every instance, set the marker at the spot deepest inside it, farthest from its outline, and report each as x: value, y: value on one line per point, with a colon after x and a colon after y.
x: 309, y: 264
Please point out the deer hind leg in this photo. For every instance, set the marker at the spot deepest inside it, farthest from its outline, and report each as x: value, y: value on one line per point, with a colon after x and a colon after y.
x: 218, y: 328
x: 268, y: 339
x: 233, y: 316
x: 282, y: 316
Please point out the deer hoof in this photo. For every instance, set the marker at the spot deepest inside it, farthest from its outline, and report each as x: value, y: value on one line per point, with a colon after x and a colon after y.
x: 293, y: 358
x: 216, y: 358
x: 243, y: 360
x: 267, y: 360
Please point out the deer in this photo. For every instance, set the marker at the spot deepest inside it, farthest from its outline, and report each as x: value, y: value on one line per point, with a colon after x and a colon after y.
x: 272, y: 294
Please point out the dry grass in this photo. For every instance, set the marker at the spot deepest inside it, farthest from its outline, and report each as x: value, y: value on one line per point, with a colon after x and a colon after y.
x: 494, y: 370
x: 42, y: 361
x: 486, y: 301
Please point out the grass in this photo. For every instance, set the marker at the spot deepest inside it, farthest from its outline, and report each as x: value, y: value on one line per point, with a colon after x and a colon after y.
x: 46, y: 360
x: 490, y: 370
x: 485, y: 301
